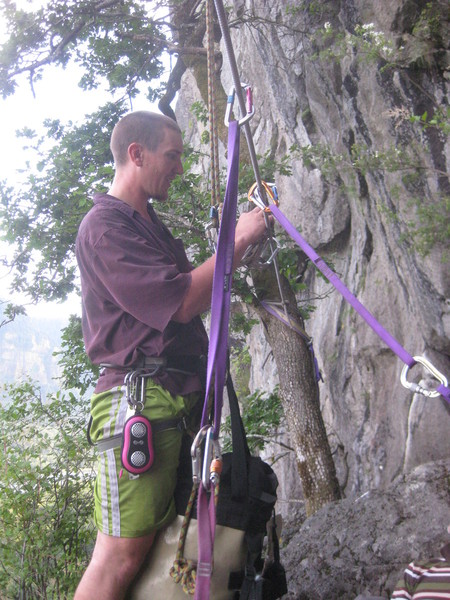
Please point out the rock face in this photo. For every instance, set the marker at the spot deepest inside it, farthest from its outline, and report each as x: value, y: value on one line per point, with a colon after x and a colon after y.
x: 360, y: 546
x: 344, y: 81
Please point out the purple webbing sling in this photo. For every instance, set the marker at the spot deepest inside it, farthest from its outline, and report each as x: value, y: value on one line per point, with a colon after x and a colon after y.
x: 393, y: 344
x: 217, y: 354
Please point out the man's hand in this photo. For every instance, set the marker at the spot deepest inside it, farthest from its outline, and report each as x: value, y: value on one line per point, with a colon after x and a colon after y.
x: 250, y: 228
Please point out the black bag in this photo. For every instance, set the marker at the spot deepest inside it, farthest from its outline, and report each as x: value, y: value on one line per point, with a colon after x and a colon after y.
x: 247, y: 496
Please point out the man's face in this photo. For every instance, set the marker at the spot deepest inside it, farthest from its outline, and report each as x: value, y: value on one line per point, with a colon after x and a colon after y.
x: 161, y: 166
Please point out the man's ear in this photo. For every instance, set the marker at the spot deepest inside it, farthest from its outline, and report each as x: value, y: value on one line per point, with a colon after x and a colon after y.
x: 136, y: 153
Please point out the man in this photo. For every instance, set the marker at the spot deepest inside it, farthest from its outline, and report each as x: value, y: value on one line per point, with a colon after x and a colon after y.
x: 141, y: 299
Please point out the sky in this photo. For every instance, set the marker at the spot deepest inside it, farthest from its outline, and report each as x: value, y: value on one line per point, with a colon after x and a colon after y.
x: 56, y: 96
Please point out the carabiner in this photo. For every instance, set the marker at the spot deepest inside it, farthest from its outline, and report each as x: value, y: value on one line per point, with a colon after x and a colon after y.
x: 196, y: 455
x: 271, y: 192
x: 212, y: 452
x: 131, y: 387
x: 230, y: 103
x: 417, y: 388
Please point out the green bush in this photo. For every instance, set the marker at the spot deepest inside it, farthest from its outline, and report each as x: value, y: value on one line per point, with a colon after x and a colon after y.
x: 46, y: 500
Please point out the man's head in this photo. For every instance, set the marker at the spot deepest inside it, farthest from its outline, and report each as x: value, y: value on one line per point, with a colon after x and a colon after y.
x: 142, y: 127
x: 147, y: 149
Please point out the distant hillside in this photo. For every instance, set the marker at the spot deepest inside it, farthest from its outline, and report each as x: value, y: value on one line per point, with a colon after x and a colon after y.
x: 26, y: 349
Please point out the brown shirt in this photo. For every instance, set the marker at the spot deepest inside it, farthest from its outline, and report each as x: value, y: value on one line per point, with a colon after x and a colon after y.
x: 134, y: 276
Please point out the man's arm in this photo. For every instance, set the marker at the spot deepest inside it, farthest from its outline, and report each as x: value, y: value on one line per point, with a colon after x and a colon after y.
x: 250, y: 227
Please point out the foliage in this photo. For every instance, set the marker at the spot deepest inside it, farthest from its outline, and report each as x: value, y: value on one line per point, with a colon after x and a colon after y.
x: 262, y: 415
x: 10, y: 312
x: 269, y: 166
x: 422, y: 48
x: 78, y: 373
x: 40, y: 219
x: 200, y: 112
x: 116, y: 40
x: 241, y: 323
x: 45, y: 493
x: 371, y: 45
x: 431, y: 226
x: 288, y: 265
x: 439, y: 120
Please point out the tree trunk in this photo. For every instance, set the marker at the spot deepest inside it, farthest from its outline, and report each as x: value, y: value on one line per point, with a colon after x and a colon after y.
x: 299, y: 390
x: 299, y: 393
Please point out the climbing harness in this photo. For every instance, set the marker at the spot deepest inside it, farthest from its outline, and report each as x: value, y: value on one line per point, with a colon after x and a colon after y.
x: 136, y: 439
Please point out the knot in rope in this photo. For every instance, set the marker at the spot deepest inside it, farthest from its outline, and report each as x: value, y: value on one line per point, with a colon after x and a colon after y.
x: 184, y: 571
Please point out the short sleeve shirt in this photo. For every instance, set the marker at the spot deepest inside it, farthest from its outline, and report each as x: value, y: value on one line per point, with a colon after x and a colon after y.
x: 134, y: 277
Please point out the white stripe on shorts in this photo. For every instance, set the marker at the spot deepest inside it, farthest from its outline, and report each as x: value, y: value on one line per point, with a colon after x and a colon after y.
x: 104, y: 491
x: 114, y: 491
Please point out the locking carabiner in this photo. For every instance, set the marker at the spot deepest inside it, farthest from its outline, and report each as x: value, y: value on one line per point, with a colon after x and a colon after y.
x: 270, y: 191
x: 212, y: 453
x: 230, y: 102
x: 418, y: 389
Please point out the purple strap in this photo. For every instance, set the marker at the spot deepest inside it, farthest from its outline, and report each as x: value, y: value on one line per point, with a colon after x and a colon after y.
x: 390, y: 341
x: 278, y: 314
x: 444, y: 391
x: 221, y: 291
x: 217, y: 354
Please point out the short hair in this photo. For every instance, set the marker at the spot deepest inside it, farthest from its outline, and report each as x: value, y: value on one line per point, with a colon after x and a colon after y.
x: 143, y: 127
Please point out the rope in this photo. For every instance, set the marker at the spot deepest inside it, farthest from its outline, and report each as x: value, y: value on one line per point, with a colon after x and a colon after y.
x: 223, y: 22
x: 213, y: 133
x: 184, y: 570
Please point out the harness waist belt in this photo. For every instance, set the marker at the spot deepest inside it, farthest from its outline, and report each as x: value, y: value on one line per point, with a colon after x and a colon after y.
x: 184, y: 364
x: 115, y: 441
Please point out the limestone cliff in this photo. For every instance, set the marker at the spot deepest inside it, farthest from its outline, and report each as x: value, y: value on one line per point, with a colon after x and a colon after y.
x: 353, y: 91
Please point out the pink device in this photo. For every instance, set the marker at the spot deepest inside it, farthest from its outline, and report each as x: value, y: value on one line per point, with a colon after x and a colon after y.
x: 137, y: 453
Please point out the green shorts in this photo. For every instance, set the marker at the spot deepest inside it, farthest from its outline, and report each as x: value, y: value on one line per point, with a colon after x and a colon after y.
x: 128, y: 505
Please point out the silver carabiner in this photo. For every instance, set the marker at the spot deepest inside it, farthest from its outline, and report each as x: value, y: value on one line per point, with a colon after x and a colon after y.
x: 196, y: 455
x: 212, y: 451
x: 230, y: 103
x: 132, y: 390
x: 417, y: 388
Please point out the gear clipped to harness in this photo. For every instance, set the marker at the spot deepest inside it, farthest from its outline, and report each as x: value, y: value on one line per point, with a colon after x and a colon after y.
x: 137, y: 445
x: 137, y: 454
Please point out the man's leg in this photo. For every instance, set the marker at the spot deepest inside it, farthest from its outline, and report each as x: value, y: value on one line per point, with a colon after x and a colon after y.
x: 114, y: 564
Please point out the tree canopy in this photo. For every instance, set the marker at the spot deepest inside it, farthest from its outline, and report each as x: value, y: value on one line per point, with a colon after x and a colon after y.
x: 121, y: 43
